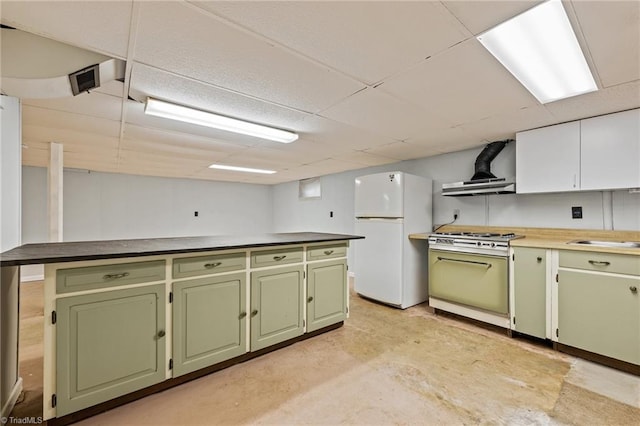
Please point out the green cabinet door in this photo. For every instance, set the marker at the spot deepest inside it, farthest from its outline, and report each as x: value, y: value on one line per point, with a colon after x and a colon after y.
x: 209, y: 320
x: 530, y: 275
x: 600, y: 313
x: 276, y: 306
x: 108, y: 344
x: 326, y: 294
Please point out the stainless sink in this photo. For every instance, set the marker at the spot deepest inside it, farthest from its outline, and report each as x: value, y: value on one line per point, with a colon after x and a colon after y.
x: 618, y: 244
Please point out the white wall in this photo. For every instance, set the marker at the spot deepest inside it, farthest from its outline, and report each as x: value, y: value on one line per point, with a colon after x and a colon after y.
x: 102, y: 206
x: 619, y: 208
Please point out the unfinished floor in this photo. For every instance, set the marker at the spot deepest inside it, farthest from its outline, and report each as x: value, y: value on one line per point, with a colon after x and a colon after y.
x: 384, y: 366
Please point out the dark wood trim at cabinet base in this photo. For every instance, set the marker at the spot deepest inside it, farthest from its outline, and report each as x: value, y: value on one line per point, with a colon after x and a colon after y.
x: 167, y: 384
x: 600, y: 359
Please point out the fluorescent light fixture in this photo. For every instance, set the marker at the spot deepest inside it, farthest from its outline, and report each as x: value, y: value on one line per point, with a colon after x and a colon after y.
x: 203, y: 118
x: 241, y: 169
x: 540, y: 49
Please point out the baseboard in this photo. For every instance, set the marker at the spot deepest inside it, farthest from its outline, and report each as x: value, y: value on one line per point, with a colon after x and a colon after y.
x: 13, y: 397
x: 30, y: 278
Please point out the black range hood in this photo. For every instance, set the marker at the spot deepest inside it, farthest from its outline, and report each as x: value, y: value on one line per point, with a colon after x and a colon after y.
x: 483, y: 181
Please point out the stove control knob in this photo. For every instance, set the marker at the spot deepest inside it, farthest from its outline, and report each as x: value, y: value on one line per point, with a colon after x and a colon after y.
x: 478, y: 243
x: 493, y: 244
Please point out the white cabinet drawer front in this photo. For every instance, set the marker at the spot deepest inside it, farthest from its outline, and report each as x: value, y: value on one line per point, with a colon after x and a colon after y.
x: 601, y: 262
x: 326, y: 252
x: 276, y: 257
x: 95, y: 277
x: 205, y: 265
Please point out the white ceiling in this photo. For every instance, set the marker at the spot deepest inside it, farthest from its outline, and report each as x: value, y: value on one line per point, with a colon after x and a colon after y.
x: 363, y: 83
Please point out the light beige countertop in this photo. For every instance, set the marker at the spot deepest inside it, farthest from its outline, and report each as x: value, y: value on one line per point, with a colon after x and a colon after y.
x: 551, y: 238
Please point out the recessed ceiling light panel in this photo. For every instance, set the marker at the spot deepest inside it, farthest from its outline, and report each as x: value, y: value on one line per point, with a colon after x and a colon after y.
x: 540, y: 49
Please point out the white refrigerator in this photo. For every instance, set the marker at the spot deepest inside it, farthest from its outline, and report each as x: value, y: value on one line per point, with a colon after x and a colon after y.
x: 389, y: 267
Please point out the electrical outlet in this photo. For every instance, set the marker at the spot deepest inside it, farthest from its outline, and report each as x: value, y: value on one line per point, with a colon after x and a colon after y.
x: 576, y: 212
x: 456, y: 213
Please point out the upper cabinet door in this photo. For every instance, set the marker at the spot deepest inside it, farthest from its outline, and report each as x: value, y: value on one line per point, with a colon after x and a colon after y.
x: 548, y: 159
x: 610, y: 154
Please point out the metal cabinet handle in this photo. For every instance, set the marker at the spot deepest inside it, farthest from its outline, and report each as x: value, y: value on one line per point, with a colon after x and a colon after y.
x: 254, y: 312
x: 310, y: 299
x: 161, y: 333
x: 279, y: 258
x: 599, y: 263
x: 448, y: 259
x: 539, y: 259
x: 115, y: 276
x: 328, y: 252
x: 633, y: 289
x: 212, y: 265
x: 243, y: 314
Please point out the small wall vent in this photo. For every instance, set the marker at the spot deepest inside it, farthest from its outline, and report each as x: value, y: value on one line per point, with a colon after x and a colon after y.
x: 85, y: 79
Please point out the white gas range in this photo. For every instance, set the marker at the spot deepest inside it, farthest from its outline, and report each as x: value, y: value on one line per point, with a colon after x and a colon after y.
x: 469, y: 275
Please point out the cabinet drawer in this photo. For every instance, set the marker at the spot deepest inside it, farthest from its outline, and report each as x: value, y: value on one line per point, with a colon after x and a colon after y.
x: 602, y: 262
x: 205, y: 265
x: 326, y: 252
x: 276, y: 257
x: 94, y: 277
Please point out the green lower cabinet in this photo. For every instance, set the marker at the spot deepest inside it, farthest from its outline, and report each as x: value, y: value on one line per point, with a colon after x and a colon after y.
x: 530, y: 277
x: 108, y: 344
x: 276, y: 306
x: 209, y: 321
x: 326, y: 294
x: 600, y: 313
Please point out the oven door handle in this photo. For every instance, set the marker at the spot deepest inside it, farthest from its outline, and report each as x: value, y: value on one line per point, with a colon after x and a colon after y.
x: 488, y: 265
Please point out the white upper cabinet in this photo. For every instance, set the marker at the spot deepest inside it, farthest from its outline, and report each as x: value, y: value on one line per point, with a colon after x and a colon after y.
x: 595, y: 154
x: 610, y: 151
x: 548, y: 159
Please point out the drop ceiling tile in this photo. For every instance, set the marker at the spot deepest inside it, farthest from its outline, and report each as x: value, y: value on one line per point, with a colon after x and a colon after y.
x: 612, y: 32
x: 188, y: 41
x: 504, y: 126
x: 332, y: 133
x: 447, y: 139
x: 44, y: 117
x: 289, y: 156
x: 479, y: 16
x: 378, y: 111
x: 177, y: 152
x: 465, y: 83
x: 364, y: 158
x: 147, y: 81
x: 323, y: 167
x: 171, y: 140
x: 102, y: 26
x: 376, y: 39
x: 604, y: 101
x: 91, y: 104
x: 403, y: 151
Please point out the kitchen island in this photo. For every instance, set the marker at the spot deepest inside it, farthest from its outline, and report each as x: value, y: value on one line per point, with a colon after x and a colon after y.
x: 126, y: 318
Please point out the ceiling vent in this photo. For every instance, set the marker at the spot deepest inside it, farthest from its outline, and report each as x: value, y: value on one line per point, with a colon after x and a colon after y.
x: 85, y: 79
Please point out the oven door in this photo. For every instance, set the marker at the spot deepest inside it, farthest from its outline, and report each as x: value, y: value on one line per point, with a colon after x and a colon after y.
x: 475, y: 280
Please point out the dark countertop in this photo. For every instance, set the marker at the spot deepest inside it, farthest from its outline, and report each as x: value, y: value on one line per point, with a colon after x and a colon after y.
x: 93, y: 250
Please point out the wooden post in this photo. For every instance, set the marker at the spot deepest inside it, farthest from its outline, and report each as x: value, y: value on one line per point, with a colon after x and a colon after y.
x: 55, y: 193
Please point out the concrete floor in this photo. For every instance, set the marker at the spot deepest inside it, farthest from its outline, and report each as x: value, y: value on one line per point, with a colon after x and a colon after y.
x: 384, y: 366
